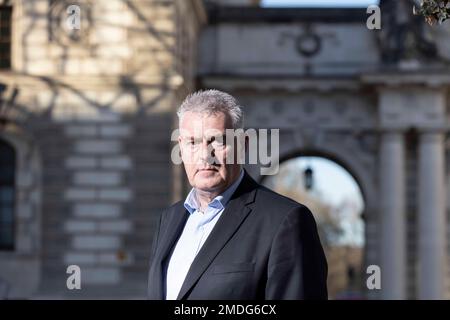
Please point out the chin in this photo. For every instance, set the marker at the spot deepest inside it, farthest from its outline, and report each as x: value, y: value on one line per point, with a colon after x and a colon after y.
x: 208, y: 184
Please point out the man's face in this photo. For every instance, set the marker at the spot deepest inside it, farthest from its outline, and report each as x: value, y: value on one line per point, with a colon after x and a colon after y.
x: 204, y: 151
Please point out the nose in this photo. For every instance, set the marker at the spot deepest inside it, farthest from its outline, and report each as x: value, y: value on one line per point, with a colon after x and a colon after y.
x: 207, y: 153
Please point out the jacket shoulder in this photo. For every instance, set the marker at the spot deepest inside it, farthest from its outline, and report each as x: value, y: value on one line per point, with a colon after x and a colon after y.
x: 175, y: 206
x: 266, y: 195
x: 276, y: 207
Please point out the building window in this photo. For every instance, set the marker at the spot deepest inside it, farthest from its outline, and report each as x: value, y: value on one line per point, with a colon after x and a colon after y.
x: 5, y: 36
x: 7, y: 182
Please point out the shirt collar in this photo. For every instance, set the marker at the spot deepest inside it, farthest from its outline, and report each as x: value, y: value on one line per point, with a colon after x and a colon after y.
x: 218, y: 202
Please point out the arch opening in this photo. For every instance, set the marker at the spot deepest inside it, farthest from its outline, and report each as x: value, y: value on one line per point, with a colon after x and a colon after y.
x: 336, y: 199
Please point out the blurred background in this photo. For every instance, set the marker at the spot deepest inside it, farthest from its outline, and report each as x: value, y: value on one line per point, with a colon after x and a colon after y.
x: 86, y: 116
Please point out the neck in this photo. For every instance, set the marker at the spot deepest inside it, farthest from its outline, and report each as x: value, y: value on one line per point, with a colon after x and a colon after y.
x: 205, y: 197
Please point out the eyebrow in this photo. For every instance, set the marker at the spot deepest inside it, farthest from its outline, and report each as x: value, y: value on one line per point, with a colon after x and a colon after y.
x: 209, y: 139
x: 215, y: 137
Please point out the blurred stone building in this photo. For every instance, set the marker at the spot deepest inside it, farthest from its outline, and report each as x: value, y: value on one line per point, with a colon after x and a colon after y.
x: 87, y: 115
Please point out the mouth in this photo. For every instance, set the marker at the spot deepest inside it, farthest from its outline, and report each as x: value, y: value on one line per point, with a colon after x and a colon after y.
x: 207, y: 170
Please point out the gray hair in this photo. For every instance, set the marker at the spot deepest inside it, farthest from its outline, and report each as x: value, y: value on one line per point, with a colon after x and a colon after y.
x: 211, y: 102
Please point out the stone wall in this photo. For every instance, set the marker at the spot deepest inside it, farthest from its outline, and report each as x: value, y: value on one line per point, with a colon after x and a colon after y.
x: 99, y: 110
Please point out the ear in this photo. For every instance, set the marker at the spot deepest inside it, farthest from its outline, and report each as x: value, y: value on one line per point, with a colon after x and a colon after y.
x: 180, y: 145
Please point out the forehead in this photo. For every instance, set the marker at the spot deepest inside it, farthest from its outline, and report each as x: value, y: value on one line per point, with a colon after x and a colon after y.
x: 195, y: 122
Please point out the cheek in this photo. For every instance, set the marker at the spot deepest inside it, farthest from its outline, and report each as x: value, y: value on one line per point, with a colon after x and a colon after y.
x: 188, y: 158
x: 222, y: 154
x: 188, y: 162
x: 190, y: 169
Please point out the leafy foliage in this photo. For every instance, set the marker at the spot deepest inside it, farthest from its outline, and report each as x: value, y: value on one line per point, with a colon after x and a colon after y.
x: 434, y: 10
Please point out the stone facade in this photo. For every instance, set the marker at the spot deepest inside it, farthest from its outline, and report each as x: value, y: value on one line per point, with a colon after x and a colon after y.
x: 92, y: 113
x: 91, y: 124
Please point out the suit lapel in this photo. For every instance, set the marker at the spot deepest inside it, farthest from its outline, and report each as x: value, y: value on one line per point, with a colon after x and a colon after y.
x: 174, y: 227
x: 234, y: 214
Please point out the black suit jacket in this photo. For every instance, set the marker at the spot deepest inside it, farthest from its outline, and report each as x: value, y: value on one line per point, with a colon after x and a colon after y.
x: 264, y: 246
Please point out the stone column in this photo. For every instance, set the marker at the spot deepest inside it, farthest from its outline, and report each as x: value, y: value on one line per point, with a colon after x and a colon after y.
x: 431, y: 216
x: 392, y: 201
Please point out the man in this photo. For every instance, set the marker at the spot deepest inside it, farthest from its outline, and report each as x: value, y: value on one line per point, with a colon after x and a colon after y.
x: 231, y: 238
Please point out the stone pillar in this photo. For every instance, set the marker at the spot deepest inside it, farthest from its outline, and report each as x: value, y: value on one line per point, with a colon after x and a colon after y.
x: 392, y: 200
x: 431, y: 216
x: 418, y: 102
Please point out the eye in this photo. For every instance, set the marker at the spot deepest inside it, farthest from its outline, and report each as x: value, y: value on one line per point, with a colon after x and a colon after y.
x: 193, y: 142
x: 219, y: 141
